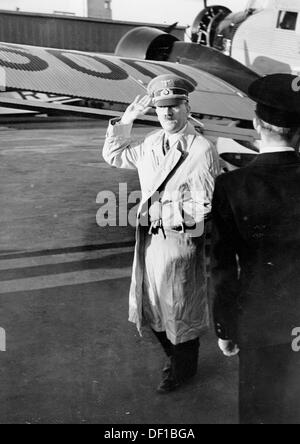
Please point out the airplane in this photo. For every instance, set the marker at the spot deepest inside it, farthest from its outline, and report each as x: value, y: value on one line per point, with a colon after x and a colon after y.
x: 265, y: 37
x: 31, y: 95
x: 106, y: 84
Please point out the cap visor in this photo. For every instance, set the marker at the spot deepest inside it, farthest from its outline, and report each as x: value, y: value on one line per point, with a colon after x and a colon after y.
x: 169, y: 102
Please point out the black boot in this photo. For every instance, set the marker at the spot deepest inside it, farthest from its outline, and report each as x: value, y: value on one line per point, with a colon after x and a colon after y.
x: 165, y: 342
x: 185, y: 360
x: 184, y: 363
x: 168, y: 349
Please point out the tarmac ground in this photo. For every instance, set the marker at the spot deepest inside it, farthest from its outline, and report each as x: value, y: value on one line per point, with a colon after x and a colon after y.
x: 71, y: 356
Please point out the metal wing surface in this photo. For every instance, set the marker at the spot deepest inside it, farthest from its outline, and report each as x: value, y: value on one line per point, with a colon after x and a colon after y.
x: 112, y: 80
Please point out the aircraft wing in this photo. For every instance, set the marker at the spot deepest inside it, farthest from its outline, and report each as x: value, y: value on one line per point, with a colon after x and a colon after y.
x: 111, y: 81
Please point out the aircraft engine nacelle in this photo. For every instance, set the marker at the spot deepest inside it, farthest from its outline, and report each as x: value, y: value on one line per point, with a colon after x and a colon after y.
x: 146, y: 44
x: 206, y: 24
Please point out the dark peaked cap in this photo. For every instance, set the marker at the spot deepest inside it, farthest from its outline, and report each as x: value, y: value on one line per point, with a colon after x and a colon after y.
x: 278, y: 99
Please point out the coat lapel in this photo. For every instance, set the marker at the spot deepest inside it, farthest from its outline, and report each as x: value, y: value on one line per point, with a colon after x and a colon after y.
x: 190, y: 140
x: 169, y: 164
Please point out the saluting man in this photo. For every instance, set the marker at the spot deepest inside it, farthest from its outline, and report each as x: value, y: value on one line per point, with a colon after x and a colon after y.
x: 177, y: 168
x: 256, y: 259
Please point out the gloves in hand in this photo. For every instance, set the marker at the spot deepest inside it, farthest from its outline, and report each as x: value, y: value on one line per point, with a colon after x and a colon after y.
x: 228, y: 347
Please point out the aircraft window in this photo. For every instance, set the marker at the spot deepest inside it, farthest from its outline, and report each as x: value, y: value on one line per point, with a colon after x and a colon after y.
x: 287, y: 20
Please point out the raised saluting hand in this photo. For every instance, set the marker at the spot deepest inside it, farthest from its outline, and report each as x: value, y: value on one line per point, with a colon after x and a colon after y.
x: 138, y: 108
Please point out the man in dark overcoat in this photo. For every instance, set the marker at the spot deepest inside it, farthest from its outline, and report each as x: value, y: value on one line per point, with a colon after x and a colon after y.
x: 256, y: 259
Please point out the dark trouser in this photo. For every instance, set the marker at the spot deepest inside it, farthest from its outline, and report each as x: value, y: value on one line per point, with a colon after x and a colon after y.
x: 270, y: 385
x: 183, y: 357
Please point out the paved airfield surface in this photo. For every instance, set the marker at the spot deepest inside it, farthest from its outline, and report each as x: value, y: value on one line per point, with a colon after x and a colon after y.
x: 71, y: 356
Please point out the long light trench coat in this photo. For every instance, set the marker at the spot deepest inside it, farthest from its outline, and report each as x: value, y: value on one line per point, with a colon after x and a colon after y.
x: 185, y: 176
